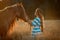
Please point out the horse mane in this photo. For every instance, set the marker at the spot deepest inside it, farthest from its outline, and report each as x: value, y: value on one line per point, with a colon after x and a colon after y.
x: 8, y: 7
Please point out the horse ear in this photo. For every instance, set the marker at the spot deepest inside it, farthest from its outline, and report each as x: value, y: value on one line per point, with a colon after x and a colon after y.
x: 20, y: 4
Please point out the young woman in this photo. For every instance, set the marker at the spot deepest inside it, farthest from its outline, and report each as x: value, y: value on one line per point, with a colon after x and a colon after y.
x: 37, y: 22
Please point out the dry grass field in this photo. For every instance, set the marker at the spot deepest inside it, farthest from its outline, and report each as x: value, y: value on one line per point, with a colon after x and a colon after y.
x: 22, y: 31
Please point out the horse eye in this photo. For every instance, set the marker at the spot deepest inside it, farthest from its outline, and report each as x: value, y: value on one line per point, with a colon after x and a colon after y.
x: 17, y: 19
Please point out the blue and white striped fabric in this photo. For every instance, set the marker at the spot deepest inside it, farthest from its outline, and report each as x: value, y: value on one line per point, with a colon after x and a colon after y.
x: 36, y: 30
x: 36, y: 23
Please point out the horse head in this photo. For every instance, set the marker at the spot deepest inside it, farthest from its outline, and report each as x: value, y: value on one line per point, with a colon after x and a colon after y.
x: 21, y: 13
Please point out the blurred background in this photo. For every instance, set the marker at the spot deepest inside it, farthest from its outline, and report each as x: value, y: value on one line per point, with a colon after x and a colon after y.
x: 51, y: 13
x: 50, y: 8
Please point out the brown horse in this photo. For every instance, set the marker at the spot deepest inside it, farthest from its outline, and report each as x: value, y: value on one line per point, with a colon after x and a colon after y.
x: 7, y: 17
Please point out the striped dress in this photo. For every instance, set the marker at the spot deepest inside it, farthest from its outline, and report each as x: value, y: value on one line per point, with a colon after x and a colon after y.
x: 36, y: 29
